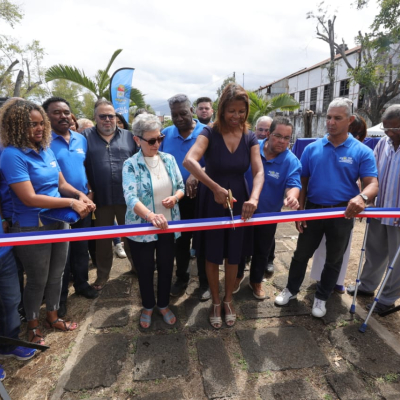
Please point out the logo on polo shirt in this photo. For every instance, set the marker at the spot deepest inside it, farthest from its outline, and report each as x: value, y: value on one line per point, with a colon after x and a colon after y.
x: 273, y: 174
x: 347, y: 160
x: 53, y: 164
x: 80, y: 151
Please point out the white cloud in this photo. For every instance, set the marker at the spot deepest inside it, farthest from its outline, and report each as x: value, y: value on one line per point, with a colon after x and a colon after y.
x: 179, y: 46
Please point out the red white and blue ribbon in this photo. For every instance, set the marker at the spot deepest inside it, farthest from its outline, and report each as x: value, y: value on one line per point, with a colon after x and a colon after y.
x: 17, y: 239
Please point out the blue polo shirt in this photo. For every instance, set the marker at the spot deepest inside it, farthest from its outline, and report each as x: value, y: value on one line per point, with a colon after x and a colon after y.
x: 333, y: 171
x: 280, y: 173
x: 176, y: 145
x: 71, y: 158
x: 41, y: 169
x: 5, y: 196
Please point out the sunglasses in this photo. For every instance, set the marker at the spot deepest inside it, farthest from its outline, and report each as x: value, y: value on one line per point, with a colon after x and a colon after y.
x: 103, y: 117
x: 152, y: 142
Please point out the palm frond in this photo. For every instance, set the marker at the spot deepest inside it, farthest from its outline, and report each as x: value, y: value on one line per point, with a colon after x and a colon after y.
x: 103, y: 78
x: 138, y: 98
x: 71, y: 74
x: 284, y: 102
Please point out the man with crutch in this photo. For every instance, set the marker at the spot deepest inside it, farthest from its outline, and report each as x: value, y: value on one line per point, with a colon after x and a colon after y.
x: 383, y: 238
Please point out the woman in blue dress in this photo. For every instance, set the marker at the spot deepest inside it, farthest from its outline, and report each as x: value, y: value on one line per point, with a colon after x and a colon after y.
x: 229, y: 148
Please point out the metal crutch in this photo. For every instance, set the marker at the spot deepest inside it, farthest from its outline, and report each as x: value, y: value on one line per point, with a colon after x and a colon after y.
x: 363, y: 327
x: 353, y: 305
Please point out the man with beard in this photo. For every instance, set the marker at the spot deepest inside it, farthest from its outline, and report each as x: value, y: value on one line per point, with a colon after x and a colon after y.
x: 108, y: 148
x: 204, y: 110
x: 70, y: 149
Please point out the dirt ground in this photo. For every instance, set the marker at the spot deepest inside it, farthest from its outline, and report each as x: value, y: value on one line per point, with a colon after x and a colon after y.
x: 38, y: 378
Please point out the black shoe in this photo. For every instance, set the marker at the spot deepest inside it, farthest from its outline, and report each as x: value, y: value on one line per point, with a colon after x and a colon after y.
x: 380, y: 308
x: 89, y: 292
x: 178, y: 288
x: 204, y: 293
x: 270, y: 268
x: 62, y: 311
x: 352, y: 288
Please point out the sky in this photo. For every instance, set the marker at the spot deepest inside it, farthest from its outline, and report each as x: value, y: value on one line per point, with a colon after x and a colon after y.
x: 190, y: 47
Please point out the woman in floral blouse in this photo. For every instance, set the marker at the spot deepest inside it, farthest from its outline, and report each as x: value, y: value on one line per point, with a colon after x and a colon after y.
x: 152, y: 186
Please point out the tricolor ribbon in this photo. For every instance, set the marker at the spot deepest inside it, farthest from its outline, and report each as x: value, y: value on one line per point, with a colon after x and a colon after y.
x: 17, y: 239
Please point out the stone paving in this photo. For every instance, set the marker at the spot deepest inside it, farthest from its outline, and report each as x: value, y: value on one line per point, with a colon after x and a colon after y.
x: 271, y: 353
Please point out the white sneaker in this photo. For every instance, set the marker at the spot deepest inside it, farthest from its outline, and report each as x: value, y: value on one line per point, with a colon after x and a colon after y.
x: 284, y: 297
x: 319, y: 309
x: 119, y: 250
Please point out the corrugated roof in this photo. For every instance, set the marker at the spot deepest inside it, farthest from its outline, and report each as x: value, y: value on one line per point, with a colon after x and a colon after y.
x: 302, y: 71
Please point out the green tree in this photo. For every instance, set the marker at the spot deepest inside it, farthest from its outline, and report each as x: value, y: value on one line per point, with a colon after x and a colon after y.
x: 225, y: 83
x: 12, y: 54
x: 260, y: 107
x: 376, y: 69
x: 99, y: 85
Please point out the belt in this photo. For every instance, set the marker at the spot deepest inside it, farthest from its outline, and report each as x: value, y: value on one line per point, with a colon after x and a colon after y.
x: 311, y: 205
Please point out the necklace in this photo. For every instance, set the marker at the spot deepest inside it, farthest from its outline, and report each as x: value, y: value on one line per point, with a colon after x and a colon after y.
x: 153, y: 168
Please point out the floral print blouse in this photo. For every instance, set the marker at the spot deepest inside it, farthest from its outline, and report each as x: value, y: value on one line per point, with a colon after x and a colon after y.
x: 137, y: 186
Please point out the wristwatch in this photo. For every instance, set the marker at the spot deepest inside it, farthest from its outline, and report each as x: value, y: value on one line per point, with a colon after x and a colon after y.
x: 364, y: 197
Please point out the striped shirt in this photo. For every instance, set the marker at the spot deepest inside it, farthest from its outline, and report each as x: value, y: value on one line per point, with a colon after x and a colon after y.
x: 388, y: 163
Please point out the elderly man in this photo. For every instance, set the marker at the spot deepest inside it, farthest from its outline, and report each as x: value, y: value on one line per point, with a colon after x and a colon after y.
x: 108, y: 148
x: 84, y: 123
x: 204, y: 110
x: 330, y: 170
x: 179, y: 138
x: 262, y: 127
x: 281, y: 187
x: 70, y: 149
x: 384, y: 234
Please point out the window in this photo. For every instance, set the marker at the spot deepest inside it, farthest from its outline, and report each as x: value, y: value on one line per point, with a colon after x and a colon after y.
x: 313, y: 99
x: 291, y: 95
x: 344, y: 88
x: 327, y: 93
x: 302, y: 96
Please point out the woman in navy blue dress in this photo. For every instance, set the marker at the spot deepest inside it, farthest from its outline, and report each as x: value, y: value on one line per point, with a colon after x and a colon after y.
x: 229, y: 148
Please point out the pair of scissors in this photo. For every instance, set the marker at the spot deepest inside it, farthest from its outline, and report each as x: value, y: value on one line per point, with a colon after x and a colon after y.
x: 229, y: 203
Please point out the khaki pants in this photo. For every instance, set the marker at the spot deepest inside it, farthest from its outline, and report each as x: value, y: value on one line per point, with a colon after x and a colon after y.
x: 104, y: 251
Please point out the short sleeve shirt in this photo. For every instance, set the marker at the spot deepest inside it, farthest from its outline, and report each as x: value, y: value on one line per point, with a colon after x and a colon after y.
x: 178, y: 146
x: 280, y: 173
x: 41, y: 169
x: 333, y: 171
x: 71, y: 158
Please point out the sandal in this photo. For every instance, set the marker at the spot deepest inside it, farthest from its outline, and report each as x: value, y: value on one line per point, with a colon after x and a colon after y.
x: 216, y: 322
x: 145, y: 318
x: 64, y: 328
x: 168, y: 316
x: 230, y: 318
x: 36, y: 335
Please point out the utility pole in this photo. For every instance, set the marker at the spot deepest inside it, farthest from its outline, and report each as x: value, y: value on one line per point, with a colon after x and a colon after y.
x: 243, y: 80
x: 234, y: 78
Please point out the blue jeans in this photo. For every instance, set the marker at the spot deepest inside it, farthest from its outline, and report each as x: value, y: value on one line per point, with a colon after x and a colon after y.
x: 10, y: 297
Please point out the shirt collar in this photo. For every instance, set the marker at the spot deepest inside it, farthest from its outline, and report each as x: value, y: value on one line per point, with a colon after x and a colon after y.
x: 346, y: 143
x: 176, y: 133
x: 55, y: 136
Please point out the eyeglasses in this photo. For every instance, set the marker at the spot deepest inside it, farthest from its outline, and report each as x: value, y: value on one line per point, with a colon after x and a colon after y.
x: 280, y: 137
x: 152, y: 142
x: 388, y: 129
x: 103, y: 117
x: 262, y: 130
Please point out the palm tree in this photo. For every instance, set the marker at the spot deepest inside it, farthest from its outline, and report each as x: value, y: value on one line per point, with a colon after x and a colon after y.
x: 99, y: 86
x: 260, y: 107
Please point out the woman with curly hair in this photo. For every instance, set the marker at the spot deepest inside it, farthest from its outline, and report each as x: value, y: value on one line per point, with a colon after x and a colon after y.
x: 32, y: 172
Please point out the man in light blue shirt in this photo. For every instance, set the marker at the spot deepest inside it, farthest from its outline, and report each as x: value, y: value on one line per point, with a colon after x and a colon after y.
x: 330, y: 170
x: 281, y: 187
x: 70, y: 150
x: 179, y: 138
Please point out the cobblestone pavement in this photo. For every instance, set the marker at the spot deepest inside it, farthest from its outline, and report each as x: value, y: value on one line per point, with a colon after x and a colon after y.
x: 271, y: 353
